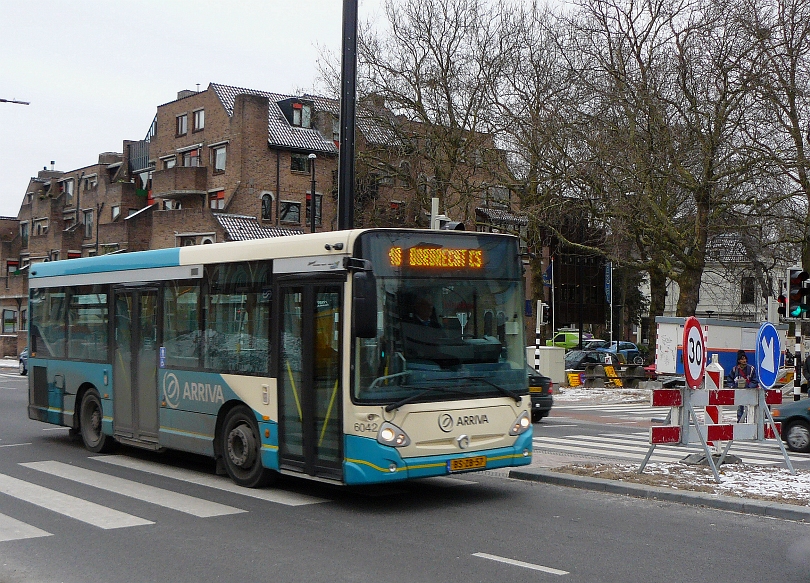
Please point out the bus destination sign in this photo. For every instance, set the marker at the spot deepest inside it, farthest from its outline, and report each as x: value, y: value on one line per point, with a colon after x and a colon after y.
x: 436, y: 258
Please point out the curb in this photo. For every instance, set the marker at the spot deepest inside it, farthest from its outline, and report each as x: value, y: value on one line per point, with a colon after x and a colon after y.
x: 719, y: 502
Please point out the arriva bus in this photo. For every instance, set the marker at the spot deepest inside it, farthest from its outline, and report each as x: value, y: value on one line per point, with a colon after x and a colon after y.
x: 301, y: 355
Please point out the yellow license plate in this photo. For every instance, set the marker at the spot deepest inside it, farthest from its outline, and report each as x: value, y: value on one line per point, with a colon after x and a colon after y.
x: 535, y: 389
x: 467, y: 463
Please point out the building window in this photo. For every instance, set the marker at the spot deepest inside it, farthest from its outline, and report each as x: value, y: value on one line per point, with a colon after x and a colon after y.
x: 12, y: 265
x: 299, y: 163
x: 302, y: 115
x: 216, y: 200
x: 115, y: 211
x: 172, y: 205
x: 90, y: 182
x: 498, y: 197
x: 199, y: 120
x: 188, y: 241
x: 267, y: 207
x: 318, y: 206
x: 747, y: 290
x: 29, y: 198
x: 182, y: 124
x: 335, y: 129
x: 9, y: 321
x: 40, y: 227
x: 191, y: 158
x: 87, y: 221
x: 169, y: 163
x: 24, y: 234
x: 289, y: 212
x: 23, y: 319
x: 54, y: 255
x: 218, y: 158
x: 66, y: 187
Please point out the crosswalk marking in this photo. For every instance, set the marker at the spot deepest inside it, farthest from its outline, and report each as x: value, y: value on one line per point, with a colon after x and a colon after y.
x: 166, y: 498
x: 634, y: 447
x: 66, y: 505
x: 12, y: 529
x: 217, y: 482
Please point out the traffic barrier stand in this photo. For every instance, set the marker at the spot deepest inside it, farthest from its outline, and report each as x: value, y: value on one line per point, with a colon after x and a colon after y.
x: 685, y: 427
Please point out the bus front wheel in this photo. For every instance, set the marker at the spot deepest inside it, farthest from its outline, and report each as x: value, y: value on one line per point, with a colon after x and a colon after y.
x: 241, y: 449
x: 90, y: 417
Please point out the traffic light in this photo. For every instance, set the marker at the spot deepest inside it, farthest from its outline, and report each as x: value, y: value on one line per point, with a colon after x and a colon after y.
x: 782, y: 309
x: 798, y: 302
x: 543, y: 310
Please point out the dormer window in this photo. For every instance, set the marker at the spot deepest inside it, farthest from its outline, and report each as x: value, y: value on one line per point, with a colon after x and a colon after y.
x: 302, y: 115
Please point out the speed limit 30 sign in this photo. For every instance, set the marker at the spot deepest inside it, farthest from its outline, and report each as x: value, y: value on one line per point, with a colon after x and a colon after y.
x: 694, y: 353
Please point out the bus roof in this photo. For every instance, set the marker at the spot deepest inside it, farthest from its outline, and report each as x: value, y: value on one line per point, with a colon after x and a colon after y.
x: 329, y: 243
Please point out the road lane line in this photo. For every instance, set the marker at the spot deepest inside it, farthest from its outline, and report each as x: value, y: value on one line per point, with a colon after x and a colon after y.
x: 70, y: 506
x: 12, y: 529
x: 15, y: 444
x: 209, y: 481
x: 532, y: 566
x: 166, y: 498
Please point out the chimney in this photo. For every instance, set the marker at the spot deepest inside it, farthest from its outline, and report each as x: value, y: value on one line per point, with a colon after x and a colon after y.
x: 185, y: 93
x: 52, y: 165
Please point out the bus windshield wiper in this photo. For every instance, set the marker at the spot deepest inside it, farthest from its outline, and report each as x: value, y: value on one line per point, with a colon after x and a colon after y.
x: 419, y: 395
x: 503, y: 390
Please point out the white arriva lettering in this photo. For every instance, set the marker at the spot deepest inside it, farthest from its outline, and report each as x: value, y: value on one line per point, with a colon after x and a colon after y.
x: 203, y: 393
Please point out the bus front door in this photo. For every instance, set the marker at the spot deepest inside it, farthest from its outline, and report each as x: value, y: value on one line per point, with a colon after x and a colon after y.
x: 310, y: 423
x: 135, y: 402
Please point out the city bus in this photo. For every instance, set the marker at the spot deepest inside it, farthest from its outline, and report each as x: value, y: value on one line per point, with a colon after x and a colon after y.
x: 296, y: 355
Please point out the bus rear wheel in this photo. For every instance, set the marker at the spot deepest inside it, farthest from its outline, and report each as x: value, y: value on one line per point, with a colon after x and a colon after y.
x: 241, y: 449
x: 90, y: 417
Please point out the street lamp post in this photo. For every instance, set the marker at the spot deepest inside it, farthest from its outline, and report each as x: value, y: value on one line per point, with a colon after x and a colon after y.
x: 312, y: 158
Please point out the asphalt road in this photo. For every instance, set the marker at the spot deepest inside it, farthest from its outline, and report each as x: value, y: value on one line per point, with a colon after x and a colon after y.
x: 475, y: 527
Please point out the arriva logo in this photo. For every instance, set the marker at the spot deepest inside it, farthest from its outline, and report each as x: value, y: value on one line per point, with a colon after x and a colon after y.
x: 200, y: 392
x: 171, y: 390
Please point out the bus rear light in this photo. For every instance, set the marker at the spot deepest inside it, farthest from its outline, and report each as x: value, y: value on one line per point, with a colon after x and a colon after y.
x: 392, y: 435
x: 522, y: 423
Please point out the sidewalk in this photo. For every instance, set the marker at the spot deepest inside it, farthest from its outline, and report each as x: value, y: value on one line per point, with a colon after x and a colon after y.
x: 542, y: 469
x: 9, y: 363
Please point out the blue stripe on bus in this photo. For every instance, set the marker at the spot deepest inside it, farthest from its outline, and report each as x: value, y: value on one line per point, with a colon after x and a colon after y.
x: 367, y: 461
x: 113, y: 262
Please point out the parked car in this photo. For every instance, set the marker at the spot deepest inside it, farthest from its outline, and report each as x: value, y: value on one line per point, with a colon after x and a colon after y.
x: 540, y: 391
x: 595, y: 343
x: 579, y: 359
x: 628, y: 350
x: 24, y: 361
x: 795, y: 419
x: 568, y: 338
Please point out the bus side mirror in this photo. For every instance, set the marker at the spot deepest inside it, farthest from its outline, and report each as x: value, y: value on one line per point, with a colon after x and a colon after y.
x: 365, y: 304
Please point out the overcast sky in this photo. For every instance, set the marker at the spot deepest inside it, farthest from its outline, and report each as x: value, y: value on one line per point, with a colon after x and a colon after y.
x: 95, y: 71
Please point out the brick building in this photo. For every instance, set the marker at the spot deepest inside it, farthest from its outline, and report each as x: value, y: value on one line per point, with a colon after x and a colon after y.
x: 222, y: 164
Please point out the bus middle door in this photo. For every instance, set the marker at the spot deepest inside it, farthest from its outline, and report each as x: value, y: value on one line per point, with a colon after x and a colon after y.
x: 309, y: 358
x: 135, y: 399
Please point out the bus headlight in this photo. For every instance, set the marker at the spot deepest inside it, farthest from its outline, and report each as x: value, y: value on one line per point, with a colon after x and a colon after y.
x: 522, y: 423
x: 392, y: 435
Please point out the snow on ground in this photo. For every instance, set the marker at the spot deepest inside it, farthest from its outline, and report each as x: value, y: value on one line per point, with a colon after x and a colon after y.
x: 601, y: 395
x: 776, y: 484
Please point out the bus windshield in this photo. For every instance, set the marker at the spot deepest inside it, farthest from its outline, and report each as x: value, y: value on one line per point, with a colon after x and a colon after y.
x: 449, y: 319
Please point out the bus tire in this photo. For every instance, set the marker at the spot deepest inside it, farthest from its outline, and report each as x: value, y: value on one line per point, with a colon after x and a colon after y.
x: 241, y: 449
x: 90, y: 417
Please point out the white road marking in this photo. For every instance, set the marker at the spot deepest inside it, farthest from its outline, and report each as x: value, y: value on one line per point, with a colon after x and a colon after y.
x: 217, y: 482
x: 66, y: 505
x: 12, y: 529
x: 532, y: 566
x: 15, y: 444
x: 173, y: 500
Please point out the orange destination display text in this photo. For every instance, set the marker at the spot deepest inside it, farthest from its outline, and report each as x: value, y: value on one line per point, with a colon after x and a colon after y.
x: 438, y: 258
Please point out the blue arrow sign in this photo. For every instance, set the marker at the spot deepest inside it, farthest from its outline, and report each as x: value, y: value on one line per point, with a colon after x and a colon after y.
x: 769, y: 351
